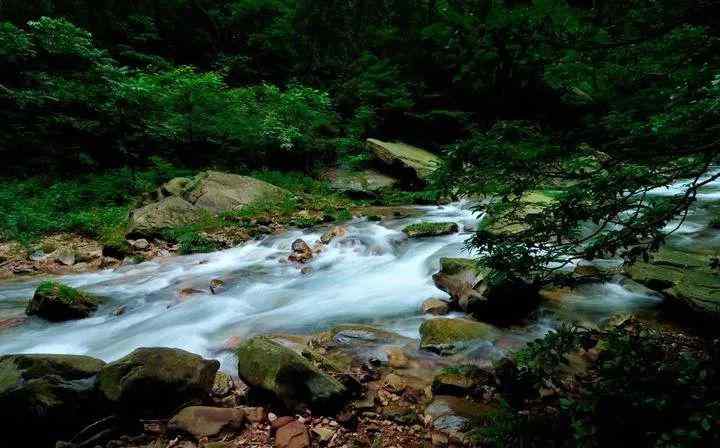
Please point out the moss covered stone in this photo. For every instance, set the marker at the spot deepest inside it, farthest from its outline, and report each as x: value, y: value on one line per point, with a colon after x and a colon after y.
x: 426, y: 229
x: 154, y: 382
x: 447, y: 336
x: 460, y: 380
x: 505, y: 224
x: 698, y: 292
x: 57, y: 302
x: 273, y: 368
x: 686, y: 278
x: 420, y: 162
x: 44, y: 398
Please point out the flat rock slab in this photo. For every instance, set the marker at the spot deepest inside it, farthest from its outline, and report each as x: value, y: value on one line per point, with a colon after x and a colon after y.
x: 205, y: 421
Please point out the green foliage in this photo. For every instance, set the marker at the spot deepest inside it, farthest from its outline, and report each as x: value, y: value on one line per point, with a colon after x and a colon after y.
x: 648, y: 388
x: 96, y: 205
x: 190, y: 240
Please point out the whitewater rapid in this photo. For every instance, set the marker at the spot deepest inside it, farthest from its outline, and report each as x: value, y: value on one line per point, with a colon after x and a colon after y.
x: 373, y: 274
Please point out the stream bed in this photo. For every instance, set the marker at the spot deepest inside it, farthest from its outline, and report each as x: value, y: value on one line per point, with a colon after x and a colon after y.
x: 373, y: 274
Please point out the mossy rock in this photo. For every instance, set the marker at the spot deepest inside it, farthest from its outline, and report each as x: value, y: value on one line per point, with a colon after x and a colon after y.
x: 460, y: 380
x: 279, y: 371
x: 56, y: 302
x: 655, y: 277
x: 504, y: 224
x: 448, y: 336
x: 365, y: 183
x: 419, y: 162
x: 452, y: 266
x: 680, y: 259
x: 698, y: 292
x: 44, y: 398
x: 426, y: 229
x: 154, y: 382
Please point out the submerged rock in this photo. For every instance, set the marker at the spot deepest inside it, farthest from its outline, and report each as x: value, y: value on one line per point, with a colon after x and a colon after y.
x: 57, y: 302
x: 153, y: 382
x: 44, y: 398
x: 405, y: 158
x: 426, y: 229
x: 273, y: 368
x: 448, y: 336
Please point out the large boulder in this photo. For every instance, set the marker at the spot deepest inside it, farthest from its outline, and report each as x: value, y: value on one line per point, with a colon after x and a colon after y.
x: 169, y: 212
x: 406, y: 159
x: 45, y: 398
x: 448, y: 336
x: 275, y: 369
x: 57, y: 302
x: 361, y: 183
x: 484, y: 293
x: 183, y: 201
x: 219, y: 192
x: 154, y: 382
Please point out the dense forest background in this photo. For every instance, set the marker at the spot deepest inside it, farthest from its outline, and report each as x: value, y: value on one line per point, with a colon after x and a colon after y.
x: 111, y: 83
x: 513, y: 93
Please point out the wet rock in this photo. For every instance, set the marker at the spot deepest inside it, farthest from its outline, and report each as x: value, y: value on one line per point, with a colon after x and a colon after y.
x: 153, y: 382
x: 397, y: 359
x: 204, y: 421
x: 306, y: 270
x: 271, y: 367
x: 483, y: 293
x: 333, y: 233
x: 461, y: 380
x: 44, y: 398
x: 12, y: 322
x: 292, y: 435
x: 57, y: 302
x: 119, y: 311
x: 437, y: 307
x: 301, y: 252
x: 216, y: 285
x: 447, y: 336
x: 427, y: 229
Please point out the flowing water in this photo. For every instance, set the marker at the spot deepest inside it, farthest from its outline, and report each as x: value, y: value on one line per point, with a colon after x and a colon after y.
x: 371, y: 275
